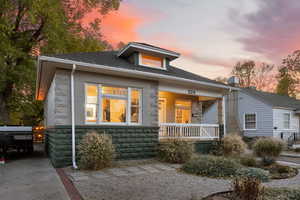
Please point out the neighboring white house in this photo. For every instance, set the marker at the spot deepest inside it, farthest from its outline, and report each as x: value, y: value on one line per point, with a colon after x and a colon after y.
x: 264, y: 114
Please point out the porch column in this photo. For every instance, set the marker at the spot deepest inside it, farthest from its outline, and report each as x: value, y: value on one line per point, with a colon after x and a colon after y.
x: 221, y: 113
x: 224, y: 113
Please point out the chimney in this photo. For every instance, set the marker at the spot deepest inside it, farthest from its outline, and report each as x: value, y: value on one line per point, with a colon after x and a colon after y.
x: 233, y: 81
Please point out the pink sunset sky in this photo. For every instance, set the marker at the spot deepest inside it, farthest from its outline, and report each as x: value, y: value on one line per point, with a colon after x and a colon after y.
x: 211, y: 35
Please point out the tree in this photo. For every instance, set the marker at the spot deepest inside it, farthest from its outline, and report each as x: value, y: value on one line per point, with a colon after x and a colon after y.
x: 286, y: 83
x: 263, y: 76
x: 245, y: 72
x: 45, y: 26
x: 289, y: 75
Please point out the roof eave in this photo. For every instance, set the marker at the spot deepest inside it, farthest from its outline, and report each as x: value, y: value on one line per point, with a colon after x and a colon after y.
x: 171, y: 54
x: 134, y: 72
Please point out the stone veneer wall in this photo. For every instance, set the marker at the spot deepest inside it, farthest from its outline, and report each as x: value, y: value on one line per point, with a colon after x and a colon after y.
x: 131, y: 142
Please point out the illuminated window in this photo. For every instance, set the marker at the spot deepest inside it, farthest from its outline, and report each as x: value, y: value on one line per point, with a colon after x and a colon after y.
x: 151, y: 61
x: 91, y: 103
x: 183, y: 110
x: 135, y: 105
x: 113, y: 104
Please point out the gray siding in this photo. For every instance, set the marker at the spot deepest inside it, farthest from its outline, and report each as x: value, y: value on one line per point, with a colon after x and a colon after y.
x: 62, y: 97
x: 62, y: 102
x: 49, y: 106
x: 264, y: 115
x: 210, y: 116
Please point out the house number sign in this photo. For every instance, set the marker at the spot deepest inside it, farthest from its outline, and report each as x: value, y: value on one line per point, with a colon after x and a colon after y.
x: 191, y: 91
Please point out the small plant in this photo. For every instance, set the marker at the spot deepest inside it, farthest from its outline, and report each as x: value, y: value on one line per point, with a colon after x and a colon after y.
x: 96, y: 151
x: 268, y: 149
x: 175, y: 151
x: 212, y: 166
x: 260, y: 174
x: 297, y: 150
x: 247, y: 189
x: 248, y: 161
x: 233, y: 144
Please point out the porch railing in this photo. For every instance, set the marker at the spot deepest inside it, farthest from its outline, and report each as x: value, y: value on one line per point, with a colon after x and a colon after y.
x: 189, y: 131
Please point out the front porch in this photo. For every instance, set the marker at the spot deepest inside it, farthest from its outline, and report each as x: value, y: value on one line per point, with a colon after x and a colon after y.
x: 190, y: 116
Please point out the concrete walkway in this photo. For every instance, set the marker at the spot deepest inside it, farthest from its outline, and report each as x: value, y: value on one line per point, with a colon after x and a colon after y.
x: 31, y: 178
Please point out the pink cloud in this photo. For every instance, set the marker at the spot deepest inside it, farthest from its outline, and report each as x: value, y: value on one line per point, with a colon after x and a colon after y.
x: 123, y: 24
x: 274, y: 28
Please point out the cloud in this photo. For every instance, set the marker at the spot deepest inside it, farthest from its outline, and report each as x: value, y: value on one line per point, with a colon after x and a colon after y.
x: 121, y: 25
x: 273, y: 30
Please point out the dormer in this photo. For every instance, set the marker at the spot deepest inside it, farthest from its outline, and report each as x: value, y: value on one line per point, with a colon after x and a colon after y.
x: 146, y: 55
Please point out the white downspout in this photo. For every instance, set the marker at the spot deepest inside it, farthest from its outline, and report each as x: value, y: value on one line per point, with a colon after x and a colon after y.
x: 73, y: 118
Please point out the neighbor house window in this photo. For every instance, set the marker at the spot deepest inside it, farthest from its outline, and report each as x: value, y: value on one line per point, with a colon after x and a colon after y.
x: 250, y: 121
x: 286, y: 120
x: 183, y: 111
x: 151, y: 61
x: 119, y: 105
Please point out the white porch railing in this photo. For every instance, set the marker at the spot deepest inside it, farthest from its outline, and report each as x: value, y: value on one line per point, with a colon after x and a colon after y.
x: 189, y: 131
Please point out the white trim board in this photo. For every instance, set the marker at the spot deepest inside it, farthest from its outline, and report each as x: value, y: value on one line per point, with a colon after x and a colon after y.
x: 185, y: 90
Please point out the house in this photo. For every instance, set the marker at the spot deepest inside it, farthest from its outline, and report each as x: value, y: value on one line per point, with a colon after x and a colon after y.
x: 133, y: 94
x: 263, y: 114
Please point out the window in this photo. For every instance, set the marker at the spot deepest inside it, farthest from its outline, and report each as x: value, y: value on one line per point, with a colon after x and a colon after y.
x: 250, y: 121
x: 151, y: 61
x: 91, y: 103
x: 286, y: 120
x: 183, y: 111
x: 117, y: 105
x: 135, y: 106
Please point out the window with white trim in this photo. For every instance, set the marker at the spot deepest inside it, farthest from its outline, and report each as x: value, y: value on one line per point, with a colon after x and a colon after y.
x: 286, y: 120
x: 250, y: 121
x: 113, y: 105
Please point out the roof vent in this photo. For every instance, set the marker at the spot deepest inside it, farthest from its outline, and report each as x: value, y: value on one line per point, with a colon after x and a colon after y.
x: 252, y: 87
x: 233, y: 81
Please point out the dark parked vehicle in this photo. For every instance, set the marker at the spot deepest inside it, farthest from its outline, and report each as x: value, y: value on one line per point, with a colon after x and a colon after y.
x: 19, y: 138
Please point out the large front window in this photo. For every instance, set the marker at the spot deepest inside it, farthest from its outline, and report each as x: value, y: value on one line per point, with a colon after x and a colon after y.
x: 183, y: 111
x: 107, y: 104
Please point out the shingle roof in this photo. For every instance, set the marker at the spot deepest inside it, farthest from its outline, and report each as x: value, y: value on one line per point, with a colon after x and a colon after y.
x: 110, y: 59
x: 274, y: 100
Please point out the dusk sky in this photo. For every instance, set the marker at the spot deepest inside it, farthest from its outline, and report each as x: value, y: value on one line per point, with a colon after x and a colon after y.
x: 211, y: 35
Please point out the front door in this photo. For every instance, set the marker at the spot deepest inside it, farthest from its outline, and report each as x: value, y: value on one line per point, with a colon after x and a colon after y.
x: 162, y: 110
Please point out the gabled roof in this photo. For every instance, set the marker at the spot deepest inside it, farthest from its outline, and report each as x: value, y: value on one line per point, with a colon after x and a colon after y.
x: 275, y: 100
x: 110, y: 59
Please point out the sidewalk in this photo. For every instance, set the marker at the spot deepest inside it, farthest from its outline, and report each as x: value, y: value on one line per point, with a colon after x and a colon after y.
x: 31, y: 178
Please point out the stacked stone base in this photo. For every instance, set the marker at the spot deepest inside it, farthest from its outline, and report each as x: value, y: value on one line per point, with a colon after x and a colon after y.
x: 131, y: 142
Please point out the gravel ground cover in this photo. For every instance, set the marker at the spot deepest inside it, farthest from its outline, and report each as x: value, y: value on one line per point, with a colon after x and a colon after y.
x: 152, y: 181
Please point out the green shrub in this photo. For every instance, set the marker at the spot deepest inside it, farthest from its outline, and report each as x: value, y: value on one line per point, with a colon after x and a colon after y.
x: 247, y: 189
x: 233, y: 144
x: 297, y: 150
x: 175, y: 151
x: 268, y: 149
x: 96, y: 151
x: 212, y: 166
x: 260, y: 174
x: 248, y: 161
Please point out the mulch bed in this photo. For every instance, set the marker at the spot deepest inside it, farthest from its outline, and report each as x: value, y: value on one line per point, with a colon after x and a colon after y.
x: 69, y: 186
